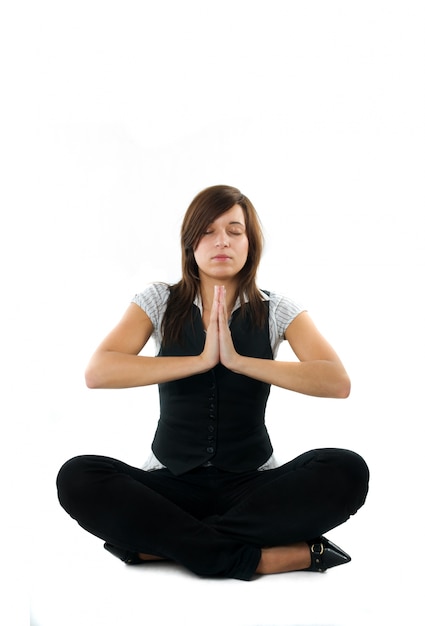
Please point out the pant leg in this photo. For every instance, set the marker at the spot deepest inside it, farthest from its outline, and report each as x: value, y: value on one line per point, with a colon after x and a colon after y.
x: 124, y: 505
x: 298, y: 501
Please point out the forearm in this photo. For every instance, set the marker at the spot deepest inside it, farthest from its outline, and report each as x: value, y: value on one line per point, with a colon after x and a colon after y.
x: 327, y: 379
x: 116, y: 370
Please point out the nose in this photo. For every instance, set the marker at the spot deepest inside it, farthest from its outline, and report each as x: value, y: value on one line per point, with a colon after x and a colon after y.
x: 222, y: 240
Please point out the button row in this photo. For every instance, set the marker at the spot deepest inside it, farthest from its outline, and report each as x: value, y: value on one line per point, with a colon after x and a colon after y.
x: 212, y: 416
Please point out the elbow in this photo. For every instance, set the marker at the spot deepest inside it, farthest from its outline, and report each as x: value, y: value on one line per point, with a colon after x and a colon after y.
x: 343, y: 388
x: 92, y: 378
x: 96, y: 372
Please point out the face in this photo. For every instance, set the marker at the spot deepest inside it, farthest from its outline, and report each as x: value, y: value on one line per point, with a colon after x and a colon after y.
x: 223, y: 249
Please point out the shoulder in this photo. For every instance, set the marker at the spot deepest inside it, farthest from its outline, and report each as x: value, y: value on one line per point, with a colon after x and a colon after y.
x: 282, y: 309
x: 155, y: 292
x: 281, y: 303
x: 153, y: 300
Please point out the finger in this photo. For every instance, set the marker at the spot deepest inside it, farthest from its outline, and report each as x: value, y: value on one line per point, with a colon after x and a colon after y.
x: 215, y: 306
x: 223, y: 307
x: 223, y: 300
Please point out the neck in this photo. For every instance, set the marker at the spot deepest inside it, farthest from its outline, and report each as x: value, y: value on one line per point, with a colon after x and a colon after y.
x: 207, y: 293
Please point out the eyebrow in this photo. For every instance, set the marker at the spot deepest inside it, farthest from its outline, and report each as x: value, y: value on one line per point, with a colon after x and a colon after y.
x: 233, y: 223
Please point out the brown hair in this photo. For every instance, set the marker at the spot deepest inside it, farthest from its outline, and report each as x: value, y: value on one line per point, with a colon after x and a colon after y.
x: 204, y: 209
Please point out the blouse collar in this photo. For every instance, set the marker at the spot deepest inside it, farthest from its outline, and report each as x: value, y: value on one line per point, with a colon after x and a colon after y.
x: 198, y: 301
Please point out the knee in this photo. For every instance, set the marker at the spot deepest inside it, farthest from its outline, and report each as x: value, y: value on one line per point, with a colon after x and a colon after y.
x: 344, y: 476
x: 355, y: 473
x: 70, y: 483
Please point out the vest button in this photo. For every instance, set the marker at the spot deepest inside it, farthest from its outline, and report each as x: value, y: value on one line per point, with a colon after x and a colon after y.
x: 210, y: 450
x: 211, y: 428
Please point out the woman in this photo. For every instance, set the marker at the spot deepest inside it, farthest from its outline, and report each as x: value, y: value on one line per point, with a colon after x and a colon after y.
x: 212, y: 497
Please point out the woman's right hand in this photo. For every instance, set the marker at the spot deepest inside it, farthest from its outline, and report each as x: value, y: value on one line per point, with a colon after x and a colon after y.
x: 117, y: 362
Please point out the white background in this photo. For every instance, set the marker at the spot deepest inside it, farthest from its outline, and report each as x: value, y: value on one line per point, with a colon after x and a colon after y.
x: 114, y: 115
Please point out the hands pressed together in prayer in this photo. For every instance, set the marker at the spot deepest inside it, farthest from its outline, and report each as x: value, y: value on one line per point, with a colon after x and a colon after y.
x: 219, y: 346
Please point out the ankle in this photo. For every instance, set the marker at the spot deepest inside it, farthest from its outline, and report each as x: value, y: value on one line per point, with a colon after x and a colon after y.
x: 281, y: 559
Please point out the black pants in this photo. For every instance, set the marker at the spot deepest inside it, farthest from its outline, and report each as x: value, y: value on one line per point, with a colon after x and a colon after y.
x: 210, y: 521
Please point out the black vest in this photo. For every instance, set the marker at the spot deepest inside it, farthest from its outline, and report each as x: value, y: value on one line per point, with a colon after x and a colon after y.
x: 217, y: 416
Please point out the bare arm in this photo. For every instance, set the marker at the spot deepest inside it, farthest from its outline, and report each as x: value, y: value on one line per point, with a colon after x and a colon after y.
x: 319, y: 372
x: 117, y: 364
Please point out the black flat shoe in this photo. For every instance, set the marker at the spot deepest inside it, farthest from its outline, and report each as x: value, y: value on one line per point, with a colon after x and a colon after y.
x: 325, y: 554
x: 131, y: 558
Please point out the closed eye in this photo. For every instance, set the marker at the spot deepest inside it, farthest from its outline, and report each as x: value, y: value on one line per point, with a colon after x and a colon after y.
x: 231, y: 232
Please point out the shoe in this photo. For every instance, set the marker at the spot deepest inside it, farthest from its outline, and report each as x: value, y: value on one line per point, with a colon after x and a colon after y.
x: 131, y: 558
x: 325, y: 554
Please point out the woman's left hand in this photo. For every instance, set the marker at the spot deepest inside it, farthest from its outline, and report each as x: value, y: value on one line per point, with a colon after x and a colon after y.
x: 319, y: 372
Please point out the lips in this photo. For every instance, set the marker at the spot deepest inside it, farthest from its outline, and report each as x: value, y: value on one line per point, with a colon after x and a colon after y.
x: 221, y: 257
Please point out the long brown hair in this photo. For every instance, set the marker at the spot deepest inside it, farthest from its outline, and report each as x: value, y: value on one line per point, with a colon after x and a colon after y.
x: 204, y: 209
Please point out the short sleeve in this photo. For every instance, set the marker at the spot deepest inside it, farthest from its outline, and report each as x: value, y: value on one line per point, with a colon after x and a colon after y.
x: 282, y: 312
x: 153, y: 300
